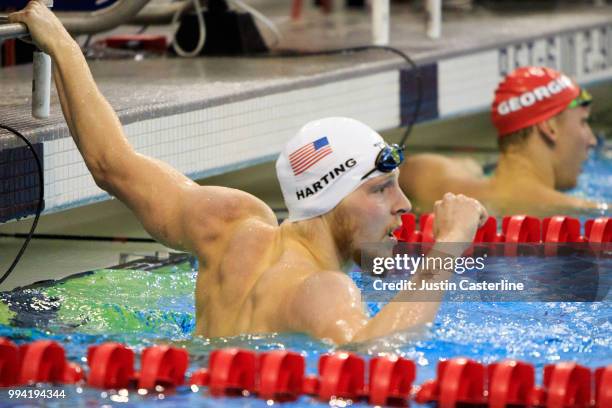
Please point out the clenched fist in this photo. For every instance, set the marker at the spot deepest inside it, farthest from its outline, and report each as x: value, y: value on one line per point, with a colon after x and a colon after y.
x: 457, y: 218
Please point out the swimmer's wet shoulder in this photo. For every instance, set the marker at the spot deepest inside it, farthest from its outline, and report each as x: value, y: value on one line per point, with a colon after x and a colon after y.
x: 268, y: 280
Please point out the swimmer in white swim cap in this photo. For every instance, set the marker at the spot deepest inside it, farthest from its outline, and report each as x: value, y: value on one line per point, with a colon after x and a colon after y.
x: 327, y: 160
x: 340, y: 181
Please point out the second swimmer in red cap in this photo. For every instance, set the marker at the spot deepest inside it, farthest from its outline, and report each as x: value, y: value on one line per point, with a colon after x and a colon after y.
x: 541, y: 117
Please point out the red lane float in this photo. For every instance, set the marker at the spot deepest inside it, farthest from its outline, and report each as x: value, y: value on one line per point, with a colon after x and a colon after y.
x: 516, y: 229
x: 390, y: 380
x: 485, y: 236
x: 559, y: 230
x: 405, y: 232
x: 458, y: 381
x: 281, y: 375
x: 519, y: 229
x: 488, y: 232
x: 511, y: 383
x: 426, y: 224
x: 40, y: 361
x: 111, y: 365
x: 162, y: 365
x: 598, y: 231
x: 231, y: 371
x: 341, y: 375
x: 566, y: 385
x: 603, y: 387
x: 200, y: 378
x: 10, y: 363
x: 45, y: 361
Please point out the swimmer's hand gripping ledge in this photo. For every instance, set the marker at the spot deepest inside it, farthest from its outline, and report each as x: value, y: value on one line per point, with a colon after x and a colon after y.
x: 41, y: 79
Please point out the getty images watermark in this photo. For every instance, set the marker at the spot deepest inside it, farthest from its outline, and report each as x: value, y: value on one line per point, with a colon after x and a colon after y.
x: 424, y: 272
x: 435, y: 265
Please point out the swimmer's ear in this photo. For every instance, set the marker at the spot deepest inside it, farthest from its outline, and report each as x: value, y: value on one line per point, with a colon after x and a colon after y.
x: 549, y: 130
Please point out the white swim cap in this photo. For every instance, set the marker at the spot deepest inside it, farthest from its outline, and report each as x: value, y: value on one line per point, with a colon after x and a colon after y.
x: 324, y: 162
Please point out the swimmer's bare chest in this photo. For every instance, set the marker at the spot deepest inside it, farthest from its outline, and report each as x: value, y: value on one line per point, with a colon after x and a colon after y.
x: 244, y: 291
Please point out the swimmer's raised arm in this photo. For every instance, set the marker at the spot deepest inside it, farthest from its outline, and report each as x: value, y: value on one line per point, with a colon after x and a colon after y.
x: 173, y: 208
x: 329, y: 304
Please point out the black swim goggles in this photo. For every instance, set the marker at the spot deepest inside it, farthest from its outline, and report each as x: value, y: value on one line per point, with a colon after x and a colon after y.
x: 389, y: 159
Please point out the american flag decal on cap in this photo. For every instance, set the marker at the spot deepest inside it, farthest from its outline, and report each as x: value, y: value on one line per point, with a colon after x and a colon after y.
x: 308, y: 155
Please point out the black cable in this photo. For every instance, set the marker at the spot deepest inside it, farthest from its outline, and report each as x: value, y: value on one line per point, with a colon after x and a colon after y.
x: 41, y: 201
x: 86, y: 43
x: 61, y: 237
x: 349, y: 50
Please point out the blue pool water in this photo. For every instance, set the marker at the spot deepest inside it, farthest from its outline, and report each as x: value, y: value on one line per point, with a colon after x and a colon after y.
x: 143, y: 308
x: 77, y: 316
x: 595, y: 182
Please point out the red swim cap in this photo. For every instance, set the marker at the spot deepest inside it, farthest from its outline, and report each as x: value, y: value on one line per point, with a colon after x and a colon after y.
x: 530, y: 95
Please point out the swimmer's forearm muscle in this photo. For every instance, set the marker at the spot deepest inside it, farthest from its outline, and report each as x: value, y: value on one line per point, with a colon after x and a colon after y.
x: 64, y: 104
x: 92, y: 121
x: 329, y: 305
x: 405, y: 310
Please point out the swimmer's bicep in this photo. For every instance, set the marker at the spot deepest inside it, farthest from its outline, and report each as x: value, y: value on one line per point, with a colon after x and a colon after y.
x: 327, y: 305
x: 174, y: 209
x: 153, y: 191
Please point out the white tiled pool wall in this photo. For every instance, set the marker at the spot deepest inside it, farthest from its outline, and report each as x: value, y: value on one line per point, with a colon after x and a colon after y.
x: 207, y: 141
x: 467, y: 83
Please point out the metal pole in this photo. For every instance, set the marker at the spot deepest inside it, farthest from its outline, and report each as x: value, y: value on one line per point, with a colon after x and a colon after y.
x: 41, y: 85
x: 11, y: 30
x: 380, y: 22
x: 120, y: 12
x: 434, y: 18
x: 41, y: 76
